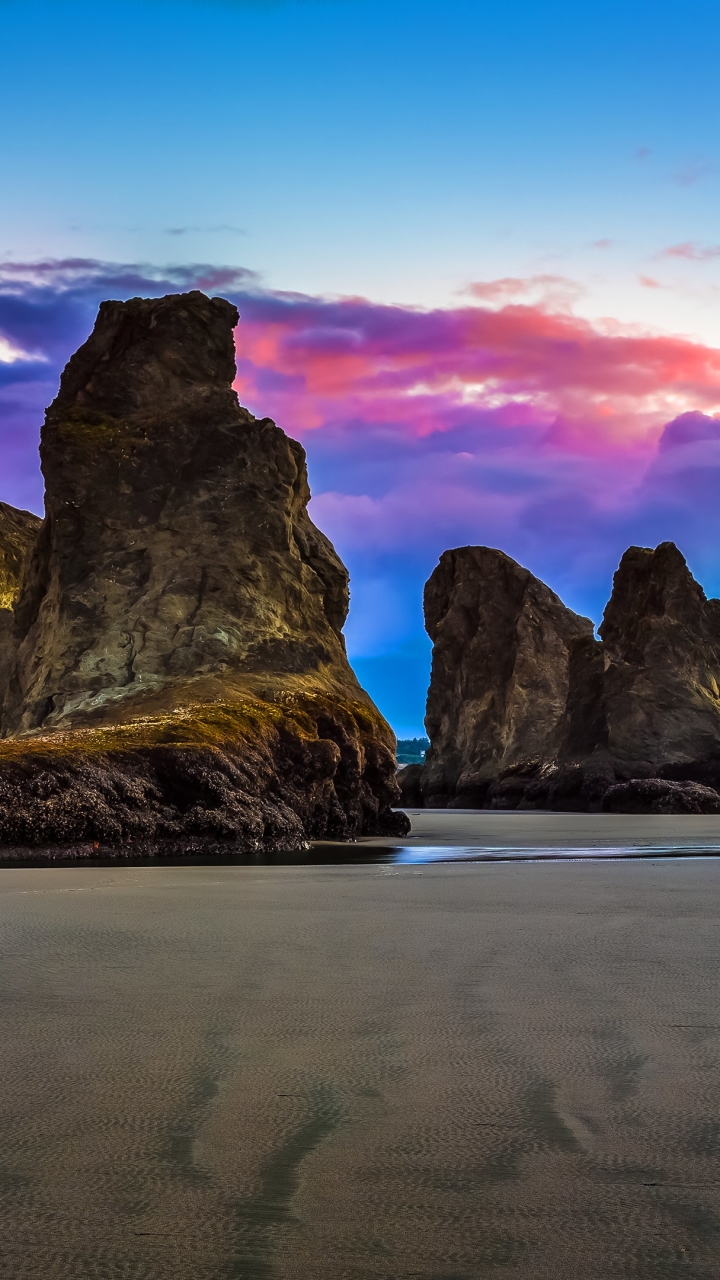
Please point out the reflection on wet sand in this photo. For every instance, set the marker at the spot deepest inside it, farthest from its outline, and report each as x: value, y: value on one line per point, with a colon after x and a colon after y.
x: 440, y: 1070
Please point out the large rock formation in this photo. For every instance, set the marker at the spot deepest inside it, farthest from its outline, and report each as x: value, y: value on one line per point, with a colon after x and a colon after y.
x: 179, y: 672
x: 661, y: 645
x: 526, y: 708
x: 500, y: 664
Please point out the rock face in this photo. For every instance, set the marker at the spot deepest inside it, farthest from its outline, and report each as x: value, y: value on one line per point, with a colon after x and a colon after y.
x: 18, y: 531
x: 661, y: 643
x: 180, y: 672
x: 500, y: 666
x: 527, y: 709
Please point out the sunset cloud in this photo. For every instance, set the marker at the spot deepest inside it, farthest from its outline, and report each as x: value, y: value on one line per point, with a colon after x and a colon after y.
x: 693, y: 252
x: 499, y: 420
x: 550, y: 291
x: 586, y: 389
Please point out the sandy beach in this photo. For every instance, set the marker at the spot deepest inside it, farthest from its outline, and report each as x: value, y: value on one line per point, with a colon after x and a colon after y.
x: 444, y: 1071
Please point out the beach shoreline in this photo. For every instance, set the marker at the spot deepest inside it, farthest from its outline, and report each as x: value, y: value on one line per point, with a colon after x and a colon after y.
x: 460, y: 832
x: 513, y: 830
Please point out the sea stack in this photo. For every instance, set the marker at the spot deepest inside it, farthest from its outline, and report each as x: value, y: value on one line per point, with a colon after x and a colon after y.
x: 661, y: 645
x: 500, y: 673
x: 527, y: 709
x: 179, y: 675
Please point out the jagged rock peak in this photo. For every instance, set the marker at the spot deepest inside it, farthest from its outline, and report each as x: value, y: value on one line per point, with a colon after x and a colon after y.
x: 651, y: 588
x: 148, y: 354
x: 661, y: 646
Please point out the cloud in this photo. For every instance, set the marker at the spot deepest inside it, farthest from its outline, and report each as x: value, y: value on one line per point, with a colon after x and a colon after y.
x: 89, y: 277
x: 321, y: 362
x: 500, y: 420
x: 222, y: 228
x: 692, y: 172
x: 688, y: 429
x: 692, y: 252
x: 557, y: 292
x: 10, y: 354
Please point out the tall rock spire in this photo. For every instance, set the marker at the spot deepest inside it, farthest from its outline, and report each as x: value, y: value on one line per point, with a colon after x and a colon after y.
x: 179, y: 581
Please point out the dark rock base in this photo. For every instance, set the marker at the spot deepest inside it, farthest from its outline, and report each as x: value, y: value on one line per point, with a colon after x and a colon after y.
x: 139, y: 850
x: 655, y: 795
x: 577, y: 789
x: 272, y: 788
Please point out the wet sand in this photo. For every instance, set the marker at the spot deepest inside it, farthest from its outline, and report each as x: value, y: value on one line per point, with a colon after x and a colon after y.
x: 449, y: 1071
x: 521, y: 831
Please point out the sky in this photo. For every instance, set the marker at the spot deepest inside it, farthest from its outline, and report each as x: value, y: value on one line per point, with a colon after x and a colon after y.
x: 475, y: 249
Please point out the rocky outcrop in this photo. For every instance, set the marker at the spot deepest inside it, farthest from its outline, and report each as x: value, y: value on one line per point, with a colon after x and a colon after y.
x: 657, y: 795
x: 661, y: 645
x: 500, y: 672
x: 180, y: 676
x: 410, y: 780
x: 18, y: 531
x: 627, y: 723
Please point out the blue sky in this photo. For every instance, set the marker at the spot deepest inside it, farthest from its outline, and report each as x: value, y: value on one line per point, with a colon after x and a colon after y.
x: 393, y: 151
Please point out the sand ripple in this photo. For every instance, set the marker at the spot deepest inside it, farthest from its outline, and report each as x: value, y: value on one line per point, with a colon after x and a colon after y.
x: 326, y: 1073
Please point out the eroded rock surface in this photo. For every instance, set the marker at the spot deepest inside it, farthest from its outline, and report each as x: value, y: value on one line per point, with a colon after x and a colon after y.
x: 628, y: 723
x: 500, y: 673
x: 181, y: 671
x: 661, y: 642
x: 18, y: 531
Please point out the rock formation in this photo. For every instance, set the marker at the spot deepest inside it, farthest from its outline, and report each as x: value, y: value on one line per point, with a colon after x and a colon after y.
x: 499, y: 682
x: 18, y: 531
x: 179, y: 674
x: 527, y: 709
x: 661, y: 644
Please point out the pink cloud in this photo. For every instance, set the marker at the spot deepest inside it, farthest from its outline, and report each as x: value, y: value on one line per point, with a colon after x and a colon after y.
x: 314, y: 364
x: 693, y: 252
x: 514, y: 425
x: 505, y: 419
x: 556, y: 292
